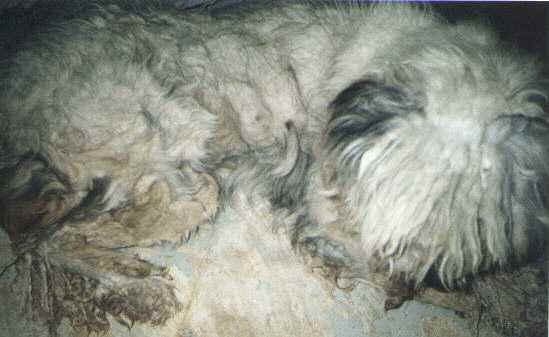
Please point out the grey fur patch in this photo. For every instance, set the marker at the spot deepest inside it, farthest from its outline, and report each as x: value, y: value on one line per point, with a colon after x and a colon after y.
x: 524, y: 150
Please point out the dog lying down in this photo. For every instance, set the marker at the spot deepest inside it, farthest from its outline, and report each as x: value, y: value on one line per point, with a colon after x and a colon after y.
x: 384, y: 139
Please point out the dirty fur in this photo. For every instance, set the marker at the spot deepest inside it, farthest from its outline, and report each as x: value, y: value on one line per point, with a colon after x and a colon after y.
x: 420, y: 149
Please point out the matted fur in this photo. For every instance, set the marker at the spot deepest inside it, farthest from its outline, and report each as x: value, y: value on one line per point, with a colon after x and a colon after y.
x: 402, y: 143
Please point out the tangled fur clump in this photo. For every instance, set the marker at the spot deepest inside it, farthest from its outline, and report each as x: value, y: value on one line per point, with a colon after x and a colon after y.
x: 403, y: 144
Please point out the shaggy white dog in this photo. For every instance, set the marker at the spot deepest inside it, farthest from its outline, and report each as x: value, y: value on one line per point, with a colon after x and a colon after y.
x: 399, y: 142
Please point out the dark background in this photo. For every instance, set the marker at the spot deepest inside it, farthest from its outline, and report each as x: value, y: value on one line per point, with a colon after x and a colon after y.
x: 524, y: 24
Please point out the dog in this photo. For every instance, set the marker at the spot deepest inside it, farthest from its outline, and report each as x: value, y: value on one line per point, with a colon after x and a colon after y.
x: 401, y: 143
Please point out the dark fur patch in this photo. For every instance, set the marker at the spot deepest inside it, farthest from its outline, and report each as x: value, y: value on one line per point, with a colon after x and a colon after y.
x: 94, y: 201
x: 363, y: 109
x: 31, y: 196
x: 288, y: 191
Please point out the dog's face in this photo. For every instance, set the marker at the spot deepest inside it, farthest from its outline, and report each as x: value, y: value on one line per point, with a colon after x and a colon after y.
x: 442, y: 158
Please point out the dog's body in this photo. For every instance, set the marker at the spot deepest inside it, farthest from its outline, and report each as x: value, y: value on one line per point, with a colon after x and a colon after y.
x: 404, y: 143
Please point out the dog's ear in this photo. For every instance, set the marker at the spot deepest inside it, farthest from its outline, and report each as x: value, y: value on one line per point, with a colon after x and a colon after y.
x: 364, y: 109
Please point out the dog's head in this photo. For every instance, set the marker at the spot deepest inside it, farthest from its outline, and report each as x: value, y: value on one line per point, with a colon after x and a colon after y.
x: 443, y: 157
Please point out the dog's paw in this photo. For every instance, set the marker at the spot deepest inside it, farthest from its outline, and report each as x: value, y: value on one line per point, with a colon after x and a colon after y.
x: 327, y: 257
x: 331, y: 252
x: 398, y: 292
